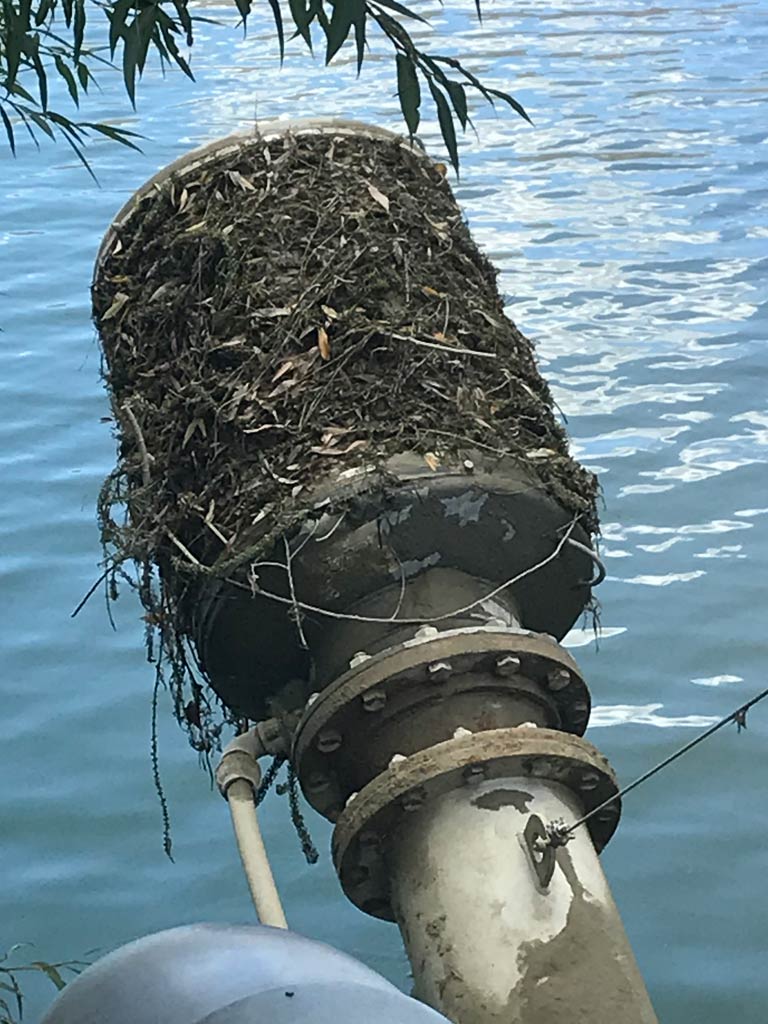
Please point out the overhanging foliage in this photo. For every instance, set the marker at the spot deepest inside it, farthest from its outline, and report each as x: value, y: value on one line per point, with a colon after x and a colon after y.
x: 44, y: 39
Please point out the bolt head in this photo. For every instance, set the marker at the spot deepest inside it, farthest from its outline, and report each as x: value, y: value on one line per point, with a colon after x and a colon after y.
x: 508, y: 665
x: 328, y: 741
x: 474, y: 774
x: 438, y: 671
x: 374, y: 700
x: 558, y: 679
x: 350, y: 798
x: 359, y: 659
x: 369, y: 840
x: 589, y: 781
x: 317, y: 781
x: 396, y: 759
x: 468, y: 466
x: 413, y: 800
x: 426, y: 633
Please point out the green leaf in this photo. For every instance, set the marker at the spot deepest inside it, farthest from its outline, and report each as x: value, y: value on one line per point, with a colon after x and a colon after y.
x: 121, y: 135
x: 66, y: 73
x: 339, y: 28
x: 44, y: 9
x: 512, y: 102
x: 41, y: 120
x: 8, y: 130
x: 84, y: 76
x: 244, y: 7
x: 50, y: 972
x: 277, y: 15
x: 79, y: 30
x: 80, y: 156
x: 302, y: 18
x: 167, y: 27
x: 144, y: 26
x: 393, y: 5
x: 33, y: 52
x: 445, y: 120
x: 359, y: 22
x: 459, y: 100
x: 18, y: 90
x: 130, y: 58
x: 409, y: 91
x: 117, y: 23
x: 185, y: 19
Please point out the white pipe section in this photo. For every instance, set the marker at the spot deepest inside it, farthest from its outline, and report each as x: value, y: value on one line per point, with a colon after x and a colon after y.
x: 488, y: 944
x: 253, y: 854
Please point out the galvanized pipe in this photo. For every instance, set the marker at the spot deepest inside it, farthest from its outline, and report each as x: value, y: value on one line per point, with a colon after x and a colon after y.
x: 487, y: 943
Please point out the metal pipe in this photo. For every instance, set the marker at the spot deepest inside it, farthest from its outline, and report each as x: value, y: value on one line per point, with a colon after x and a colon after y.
x: 253, y: 854
x: 238, y: 777
x: 487, y: 942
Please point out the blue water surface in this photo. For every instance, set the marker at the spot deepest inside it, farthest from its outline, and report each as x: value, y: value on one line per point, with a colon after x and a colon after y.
x: 630, y: 225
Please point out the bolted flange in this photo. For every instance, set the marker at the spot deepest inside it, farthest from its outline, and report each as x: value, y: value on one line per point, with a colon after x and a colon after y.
x: 411, y: 783
x: 421, y: 692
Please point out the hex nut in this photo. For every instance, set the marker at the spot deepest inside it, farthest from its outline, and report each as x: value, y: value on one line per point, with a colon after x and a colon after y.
x: 374, y: 700
x: 558, y: 679
x: 507, y: 665
x: 328, y: 741
x: 589, y: 781
x: 317, y: 781
x: 438, y: 671
x: 414, y: 799
x: 474, y: 774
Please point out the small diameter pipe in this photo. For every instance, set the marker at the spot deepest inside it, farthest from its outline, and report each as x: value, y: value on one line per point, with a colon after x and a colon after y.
x: 253, y: 854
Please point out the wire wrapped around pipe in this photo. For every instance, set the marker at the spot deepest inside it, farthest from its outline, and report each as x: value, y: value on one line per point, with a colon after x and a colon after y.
x: 598, y: 579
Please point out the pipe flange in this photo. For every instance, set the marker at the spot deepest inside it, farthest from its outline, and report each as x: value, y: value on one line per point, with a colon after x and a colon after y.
x: 419, y: 693
x: 362, y: 832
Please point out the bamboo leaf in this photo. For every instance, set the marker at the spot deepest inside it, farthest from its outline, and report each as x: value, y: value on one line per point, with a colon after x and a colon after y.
x: 130, y: 57
x: 512, y: 103
x: 8, y: 130
x: 277, y: 15
x: 459, y: 100
x: 393, y: 5
x: 244, y: 7
x: 83, y: 75
x: 66, y: 73
x: 79, y: 29
x: 117, y: 23
x: 359, y: 22
x: 409, y: 92
x: 302, y: 18
x: 445, y: 120
x: 339, y: 28
x: 121, y: 135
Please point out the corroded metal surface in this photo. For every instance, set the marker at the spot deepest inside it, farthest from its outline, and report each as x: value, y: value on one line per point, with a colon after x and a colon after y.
x: 419, y: 693
x: 494, y: 525
x: 373, y: 817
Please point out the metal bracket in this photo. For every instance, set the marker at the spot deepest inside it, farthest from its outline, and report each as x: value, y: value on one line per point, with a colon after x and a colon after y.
x: 540, y: 851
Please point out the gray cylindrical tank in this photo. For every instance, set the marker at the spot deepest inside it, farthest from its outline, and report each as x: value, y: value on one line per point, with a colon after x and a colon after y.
x: 229, y: 974
x: 327, y: 1003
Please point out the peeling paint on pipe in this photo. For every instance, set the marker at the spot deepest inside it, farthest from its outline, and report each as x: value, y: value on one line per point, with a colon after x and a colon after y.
x: 487, y: 944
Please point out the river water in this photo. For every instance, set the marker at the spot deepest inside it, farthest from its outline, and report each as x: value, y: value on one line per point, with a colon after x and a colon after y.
x: 631, y: 228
